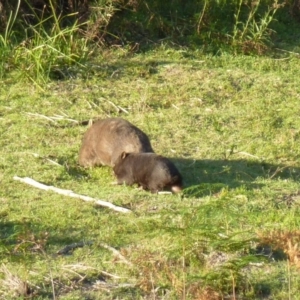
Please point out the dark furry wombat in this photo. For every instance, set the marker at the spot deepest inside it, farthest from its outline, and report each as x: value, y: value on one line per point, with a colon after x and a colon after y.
x: 149, y: 170
x: 106, y: 139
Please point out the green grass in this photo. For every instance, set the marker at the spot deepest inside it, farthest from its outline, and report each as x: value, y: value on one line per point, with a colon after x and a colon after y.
x: 40, y: 43
x: 230, y: 123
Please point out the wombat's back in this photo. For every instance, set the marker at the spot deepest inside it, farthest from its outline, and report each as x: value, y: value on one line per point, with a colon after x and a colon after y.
x: 106, y: 139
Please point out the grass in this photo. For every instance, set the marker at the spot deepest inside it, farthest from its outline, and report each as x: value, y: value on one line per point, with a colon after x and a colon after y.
x: 230, y: 123
x: 48, y: 42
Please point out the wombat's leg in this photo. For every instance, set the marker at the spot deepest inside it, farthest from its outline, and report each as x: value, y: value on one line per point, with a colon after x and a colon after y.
x: 124, y: 180
x: 89, y: 158
x: 153, y: 189
x: 86, y: 157
x: 120, y: 181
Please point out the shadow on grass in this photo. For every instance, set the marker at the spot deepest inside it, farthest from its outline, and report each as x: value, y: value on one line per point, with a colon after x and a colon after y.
x: 7, y: 229
x: 285, y: 43
x: 19, y: 240
x: 76, y: 171
x: 16, y: 238
x: 206, y: 177
x: 113, y: 71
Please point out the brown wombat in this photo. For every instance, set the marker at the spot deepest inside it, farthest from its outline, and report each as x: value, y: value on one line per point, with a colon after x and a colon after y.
x: 106, y: 139
x: 149, y: 170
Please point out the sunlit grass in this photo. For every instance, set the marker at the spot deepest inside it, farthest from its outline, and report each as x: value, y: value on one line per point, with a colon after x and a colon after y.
x: 230, y: 124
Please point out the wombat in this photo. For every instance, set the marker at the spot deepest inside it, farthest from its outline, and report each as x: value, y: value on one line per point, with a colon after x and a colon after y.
x: 106, y: 139
x: 149, y: 170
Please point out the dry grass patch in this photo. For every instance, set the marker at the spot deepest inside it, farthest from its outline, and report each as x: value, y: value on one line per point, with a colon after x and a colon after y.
x: 287, y: 241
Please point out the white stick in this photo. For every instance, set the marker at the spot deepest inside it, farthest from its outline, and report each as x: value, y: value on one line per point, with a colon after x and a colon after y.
x: 70, y: 193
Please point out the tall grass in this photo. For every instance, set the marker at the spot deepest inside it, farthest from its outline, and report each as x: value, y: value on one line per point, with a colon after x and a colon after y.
x: 50, y: 53
x: 6, y: 40
x: 252, y: 32
x: 47, y: 49
x: 57, y: 45
x: 241, y: 25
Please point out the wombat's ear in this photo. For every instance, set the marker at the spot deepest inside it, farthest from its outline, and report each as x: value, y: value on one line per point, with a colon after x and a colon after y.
x: 123, y: 155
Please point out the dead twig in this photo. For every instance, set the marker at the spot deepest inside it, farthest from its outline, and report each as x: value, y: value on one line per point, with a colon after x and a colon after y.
x: 41, y: 116
x: 117, y: 107
x: 246, y: 154
x: 279, y: 170
x: 99, y: 284
x: 81, y: 267
x: 290, y: 52
x: 14, y: 284
x: 53, y: 118
x: 116, y: 253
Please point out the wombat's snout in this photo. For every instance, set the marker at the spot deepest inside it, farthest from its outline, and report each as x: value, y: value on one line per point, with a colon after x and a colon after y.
x: 176, y: 188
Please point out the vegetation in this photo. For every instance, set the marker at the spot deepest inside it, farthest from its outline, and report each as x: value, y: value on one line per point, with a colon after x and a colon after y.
x: 42, y: 40
x: 223, y: 105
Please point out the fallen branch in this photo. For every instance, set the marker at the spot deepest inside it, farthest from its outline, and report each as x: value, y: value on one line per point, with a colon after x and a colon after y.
x: 100, y: 284
x: 70, y: 193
